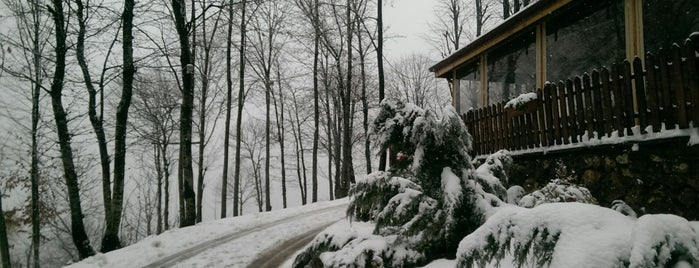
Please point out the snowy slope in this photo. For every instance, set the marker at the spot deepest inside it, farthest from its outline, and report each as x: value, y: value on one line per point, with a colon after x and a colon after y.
x: 250, y: 235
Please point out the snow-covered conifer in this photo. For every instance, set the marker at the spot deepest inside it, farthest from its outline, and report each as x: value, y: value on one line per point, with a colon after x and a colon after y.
x: 423, y: 206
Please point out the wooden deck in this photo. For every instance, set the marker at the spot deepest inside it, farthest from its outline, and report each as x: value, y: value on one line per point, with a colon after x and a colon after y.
x: 657, y: 93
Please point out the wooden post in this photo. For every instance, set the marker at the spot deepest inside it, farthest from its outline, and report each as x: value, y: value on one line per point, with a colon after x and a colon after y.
x: 572, y: 106
x: 563, y: 104
x: 597, y: 104
x: 607, y: 102
x: 668, y: 114
x: 652, y: 92
x: 640, y: 94
x: 589, y: 116
x: 678, y: 88
x: 618, y: 101
x: 628, y: 100
x: 691, y: 76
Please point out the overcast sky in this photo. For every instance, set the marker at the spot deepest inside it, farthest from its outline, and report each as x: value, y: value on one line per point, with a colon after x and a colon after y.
x: 407, y: 22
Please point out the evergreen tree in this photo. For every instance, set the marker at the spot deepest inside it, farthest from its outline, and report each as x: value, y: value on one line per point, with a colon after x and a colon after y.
x: 423, y: 205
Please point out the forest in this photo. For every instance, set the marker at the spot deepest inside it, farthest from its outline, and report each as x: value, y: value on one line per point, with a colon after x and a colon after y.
x: 124, y: 119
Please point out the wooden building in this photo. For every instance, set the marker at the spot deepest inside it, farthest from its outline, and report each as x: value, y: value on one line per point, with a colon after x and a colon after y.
x: 577, y: 44
x: 612, y: 98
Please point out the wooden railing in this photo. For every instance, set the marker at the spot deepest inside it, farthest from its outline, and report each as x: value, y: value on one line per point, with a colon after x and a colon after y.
x: 664, y: 95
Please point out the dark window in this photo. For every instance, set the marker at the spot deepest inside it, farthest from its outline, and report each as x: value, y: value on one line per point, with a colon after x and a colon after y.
x: 585, y: 37
x: 668, y: 21
x: 469, y: 77
x: 512, y: 68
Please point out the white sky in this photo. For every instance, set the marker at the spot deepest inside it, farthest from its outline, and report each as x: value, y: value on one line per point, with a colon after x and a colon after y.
x: 407, y: 21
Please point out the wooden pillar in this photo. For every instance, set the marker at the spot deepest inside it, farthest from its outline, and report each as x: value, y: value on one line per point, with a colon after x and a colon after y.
x: 455, y: 92
x: 633, y: 22
x: 541, y: 55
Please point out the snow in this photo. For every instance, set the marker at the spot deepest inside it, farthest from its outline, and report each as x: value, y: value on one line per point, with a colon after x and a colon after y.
x: 656, y: 237
x: 693, y: 135
x: 238, y: 252
x: 558, y: 190
x: 586, y: 141
x: 514, y: 194
x: 590, y: 236
x: 520, y: 100
x: 441, y: 263
x: 451, y: 185
x: 585, y: 235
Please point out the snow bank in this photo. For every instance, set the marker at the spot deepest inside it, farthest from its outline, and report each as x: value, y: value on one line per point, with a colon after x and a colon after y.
x: 153, y: 248
x: 580, y: 235
x: 562, y: 234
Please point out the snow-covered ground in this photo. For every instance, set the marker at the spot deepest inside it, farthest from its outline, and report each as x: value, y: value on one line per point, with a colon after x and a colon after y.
x: 238, y: 240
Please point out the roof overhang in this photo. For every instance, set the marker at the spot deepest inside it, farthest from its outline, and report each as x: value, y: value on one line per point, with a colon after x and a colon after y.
x: 521, y: 20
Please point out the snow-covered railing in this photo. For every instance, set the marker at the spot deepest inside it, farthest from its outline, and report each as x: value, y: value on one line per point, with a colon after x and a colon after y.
x: 588, y: 107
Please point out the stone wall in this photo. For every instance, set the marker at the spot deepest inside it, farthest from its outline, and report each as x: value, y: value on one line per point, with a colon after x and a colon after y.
x: 659, y: 177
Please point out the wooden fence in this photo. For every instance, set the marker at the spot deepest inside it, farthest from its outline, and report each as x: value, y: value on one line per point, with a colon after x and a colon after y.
x: 605, y: 103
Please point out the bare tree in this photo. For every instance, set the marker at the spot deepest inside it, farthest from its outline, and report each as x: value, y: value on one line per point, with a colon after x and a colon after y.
x: 296, y: 129
x: 347, y: 176
x: 241, y: 102
x: 80, y: 238
x: 412, y: 82
x: 36, y: 90
x: 153, y: 123
x: 279, y: 115
x: 95, y: 120
x: 229, y: 93
x: 266, y: 46
x: 253, y: 146
x: 185, y: 172
x: 363, y: 51
x: 207, y: 101
x: 379, y: 58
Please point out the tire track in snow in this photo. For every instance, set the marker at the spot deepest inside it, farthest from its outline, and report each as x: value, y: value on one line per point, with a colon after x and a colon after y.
x: 199, y: 248
x: 275, y: 257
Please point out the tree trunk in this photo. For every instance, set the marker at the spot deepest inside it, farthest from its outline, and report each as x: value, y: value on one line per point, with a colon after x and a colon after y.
x: 185, y: 174
x: 479, y: 17
x: 297, y: 145
x: 329, y: 126
x: 337, y: 145
x: 80, y: 239
x: 36, y: 90
x: 365, y: 105
x: 347, y: 173
x: 95, y: 121
x: 316, y: 110
x: 280, y: 134
x: 159, y: 191
x: 301, y: 154
x: 268, y: 206
x: 229, y: 93
x: 202, y: 143
x: 110, y: 241
x: 239, y: 121
x: 207, y: 44
x: 505, y: 9
x: 379, y: 58
x: 4, y: 245
x: 166, y: 175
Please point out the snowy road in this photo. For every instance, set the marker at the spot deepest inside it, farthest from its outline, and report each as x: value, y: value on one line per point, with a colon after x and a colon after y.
x: 243, y: 248
x: 232, y: 242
